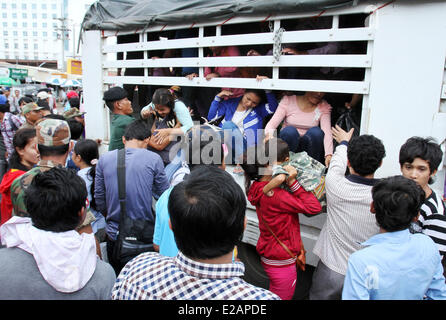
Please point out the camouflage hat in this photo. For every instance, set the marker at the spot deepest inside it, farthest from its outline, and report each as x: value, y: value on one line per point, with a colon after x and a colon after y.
x: 73, y: 112
x: 30, y: 107
x: 53, y: 132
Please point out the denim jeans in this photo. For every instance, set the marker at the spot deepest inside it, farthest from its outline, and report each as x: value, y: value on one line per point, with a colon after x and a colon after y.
x: 234, y: 140
x: 312, y: 142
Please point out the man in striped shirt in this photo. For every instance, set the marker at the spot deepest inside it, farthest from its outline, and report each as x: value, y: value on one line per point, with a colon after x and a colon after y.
x: 419, y: 160
x: 349, y: 221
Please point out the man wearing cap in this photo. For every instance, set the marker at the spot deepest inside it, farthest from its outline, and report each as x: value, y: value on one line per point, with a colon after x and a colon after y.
x: 121, y: 108
x: 75, y: 114
x: 31, y: 112
x: 54, y: 144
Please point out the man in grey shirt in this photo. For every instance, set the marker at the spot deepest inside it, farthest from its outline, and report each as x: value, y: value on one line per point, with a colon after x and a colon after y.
x: 45, y: 258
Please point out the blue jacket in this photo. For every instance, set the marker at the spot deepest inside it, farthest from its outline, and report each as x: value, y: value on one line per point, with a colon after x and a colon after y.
x: 253, y: 121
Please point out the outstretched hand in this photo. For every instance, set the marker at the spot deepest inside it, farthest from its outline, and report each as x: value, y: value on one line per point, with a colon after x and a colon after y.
x: 340, y: 134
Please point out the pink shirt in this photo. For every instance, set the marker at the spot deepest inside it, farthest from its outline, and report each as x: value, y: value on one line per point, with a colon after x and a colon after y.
x: 228, y: 72
x: 289, y: 112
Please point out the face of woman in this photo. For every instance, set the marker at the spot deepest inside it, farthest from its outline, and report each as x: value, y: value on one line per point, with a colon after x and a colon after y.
x: 162, y: 110
x: 250, y: 100
x: 29, y: 155
x: 315, y: 97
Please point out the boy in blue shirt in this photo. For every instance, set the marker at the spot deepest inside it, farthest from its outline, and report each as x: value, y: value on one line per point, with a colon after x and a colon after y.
x: 396, y: 264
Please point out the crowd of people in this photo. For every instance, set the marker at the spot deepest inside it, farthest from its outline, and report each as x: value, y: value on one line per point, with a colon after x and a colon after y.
x: 158, y: 216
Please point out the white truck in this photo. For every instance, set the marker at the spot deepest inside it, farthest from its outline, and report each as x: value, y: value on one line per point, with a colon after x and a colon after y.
x: 403, y: 84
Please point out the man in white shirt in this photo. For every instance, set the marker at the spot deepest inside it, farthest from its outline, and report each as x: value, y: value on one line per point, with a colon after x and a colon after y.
x: 349, y: 222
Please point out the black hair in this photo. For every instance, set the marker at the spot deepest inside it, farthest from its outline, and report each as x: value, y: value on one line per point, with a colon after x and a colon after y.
x: 280, y: 152
x: 19, y: 141
x: 252, y: 164
x: 25, y: 100
x: 4, y: 107
x: 397, y: 201
x: 207, y: 212
x: 76, y: 128
x: 88, y: 150
x: 74, y: 102
x: 164, y: 97
x: 138, y: 130
x: 423, y: 148
x: 54, y: 116
x: 365, y: 154
x: 44, y: 104
x: 210, y: 150
x: 259, y: 93
x: 48, y: 151
x: 54, y: 199
x: 110, y: 104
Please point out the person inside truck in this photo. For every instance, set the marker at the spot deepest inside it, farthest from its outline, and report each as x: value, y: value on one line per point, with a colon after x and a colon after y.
x: 243, y: 117
x: 419, y: 160
x: 116, y: 100
x: 280, y: 243
x: 164, y: 99
x: 306, y: 125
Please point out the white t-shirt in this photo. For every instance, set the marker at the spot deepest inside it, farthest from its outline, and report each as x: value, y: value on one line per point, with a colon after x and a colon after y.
x: 238, y: 118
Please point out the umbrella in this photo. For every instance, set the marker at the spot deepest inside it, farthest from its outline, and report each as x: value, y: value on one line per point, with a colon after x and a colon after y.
x: 6, y: 81
x: 71, y: 83
x: 55, y: 81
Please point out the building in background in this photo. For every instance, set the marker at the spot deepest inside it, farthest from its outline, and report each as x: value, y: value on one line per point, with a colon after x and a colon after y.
x: 41, y: 32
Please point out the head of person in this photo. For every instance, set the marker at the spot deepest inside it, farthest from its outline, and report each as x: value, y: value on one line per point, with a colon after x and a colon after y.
x: 24, y: 100
x: 204, y: 147
x: 252, y: 98
x: 365, y: 154
x: 72, y: 94
x: 419, y: 159
x: 314, y: 97
x: 32, y: 112
x: 277, y: 150
x: 86, y: 153
x: 43, y: 95
x: 116, y: 100
x: 76, y: 129
x: 396, y: 202
x: 7, y: 91
x: 56, y: 200
x: 45, y: 106
x: 53, y: 138
x: 4, y: 107
x: 207, y: 213
x: 164, y: 102
x: 74, y: 113
x: 74, y: 102
x: 17, y: 93
x: 25, y: 154
x: 137, y: 132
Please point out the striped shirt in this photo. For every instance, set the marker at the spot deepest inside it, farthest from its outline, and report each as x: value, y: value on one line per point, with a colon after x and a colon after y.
x: 349, y: 221
x: 151, y: 276
x: 433, y: 220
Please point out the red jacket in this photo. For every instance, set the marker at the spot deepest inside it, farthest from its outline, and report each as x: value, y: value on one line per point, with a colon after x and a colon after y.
x: 280, y: 213
x: 5, y: 190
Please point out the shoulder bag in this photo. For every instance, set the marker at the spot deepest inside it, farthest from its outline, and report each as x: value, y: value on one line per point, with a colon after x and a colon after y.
x: 135, y: 236
x: 300, y: 259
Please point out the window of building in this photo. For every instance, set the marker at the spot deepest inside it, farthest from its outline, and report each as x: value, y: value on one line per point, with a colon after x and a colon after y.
x: 14, y: 24
x: 44, y: 25
x: 15, y: 33
x: 24, y: 16
x: 24, y: 6
x: 36, y: 46
x: 44, y: 16
x: 6, y: 45
x: 25, y: 33
x: 25, y: 46
x: 4, y: 15
x: 34, y: 15
x: 34, y: 6
x: 54, y: 6
x: 45, y: 34
x: 5, y: 24
x: 25, y: 24
x: 16, y: 45
x: 34, y: 24
x: 44, y: 6
x: 14, y: 5
x: 34, y: 33
x: 3, y: 5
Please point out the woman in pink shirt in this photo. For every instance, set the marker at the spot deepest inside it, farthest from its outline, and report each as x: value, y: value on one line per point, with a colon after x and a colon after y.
x: 306, y: 125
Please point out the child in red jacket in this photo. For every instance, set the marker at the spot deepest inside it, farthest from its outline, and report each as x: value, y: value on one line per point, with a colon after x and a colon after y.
x: 279, y: 243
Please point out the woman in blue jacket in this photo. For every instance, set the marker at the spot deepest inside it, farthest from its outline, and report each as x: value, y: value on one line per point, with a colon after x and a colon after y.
x: 243, y: 118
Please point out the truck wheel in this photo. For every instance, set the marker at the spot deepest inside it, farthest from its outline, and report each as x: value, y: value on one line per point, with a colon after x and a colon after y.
x: 255, y: 275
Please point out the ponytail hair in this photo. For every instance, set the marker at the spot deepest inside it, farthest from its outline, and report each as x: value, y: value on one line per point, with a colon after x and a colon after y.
x: 88, y: 150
